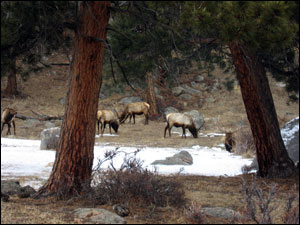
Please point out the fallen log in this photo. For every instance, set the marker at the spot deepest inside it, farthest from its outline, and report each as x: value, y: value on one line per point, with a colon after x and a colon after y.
x: 40, y: 117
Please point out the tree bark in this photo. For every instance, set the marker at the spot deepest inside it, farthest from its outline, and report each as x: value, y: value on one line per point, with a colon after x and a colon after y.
x: 272, y: 157
x: 72, y: 168
x: 151, y: 95
x: 11, y: 88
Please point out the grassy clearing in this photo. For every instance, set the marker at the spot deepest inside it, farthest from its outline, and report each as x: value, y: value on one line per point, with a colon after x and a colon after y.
x: 206, y: 191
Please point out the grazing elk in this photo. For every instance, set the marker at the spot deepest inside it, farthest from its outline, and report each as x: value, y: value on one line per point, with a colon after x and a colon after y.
x: 135, y: 108
x: 181, y: 120
x: 8, y: 117
x: 107, y: 116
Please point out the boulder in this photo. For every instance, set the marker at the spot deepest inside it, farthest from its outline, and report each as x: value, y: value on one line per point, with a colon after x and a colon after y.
x: 49, y: 138
x: 128, y: 100
x: 168, y: 110
x: 290, y: 136
x: 13, y: 187
x: 197, y: 117
x: 181, y: 158
x: 97, y: 216
x: 220, y: 212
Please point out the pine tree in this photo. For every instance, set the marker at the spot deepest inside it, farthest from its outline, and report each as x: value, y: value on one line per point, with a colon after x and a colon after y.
x: 72, y: 169
x: 30, y: 30
x: 252, y: 31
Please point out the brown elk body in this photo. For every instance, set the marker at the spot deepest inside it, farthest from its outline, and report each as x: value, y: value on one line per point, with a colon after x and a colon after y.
x: 181, y: 120
x: 107, y: 117
x: 135, y: 108
x: 229, y: 141
x: 8, y: 117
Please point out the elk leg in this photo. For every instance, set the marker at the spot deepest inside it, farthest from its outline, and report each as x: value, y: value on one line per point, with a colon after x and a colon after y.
x: 13, y: 122
x: 183, y: 132
x: 166, y: 130
x: 8, y: 129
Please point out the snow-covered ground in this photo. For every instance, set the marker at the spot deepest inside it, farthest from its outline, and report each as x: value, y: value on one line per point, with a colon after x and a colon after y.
x: 23, y: 160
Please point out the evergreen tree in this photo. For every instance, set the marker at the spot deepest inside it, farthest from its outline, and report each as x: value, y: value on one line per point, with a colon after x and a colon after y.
x: 72, y: 169
x: 29, y: 30
x: 258, y: 34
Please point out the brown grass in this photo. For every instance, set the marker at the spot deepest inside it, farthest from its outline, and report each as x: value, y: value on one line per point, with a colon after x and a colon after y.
x: 207, y: 191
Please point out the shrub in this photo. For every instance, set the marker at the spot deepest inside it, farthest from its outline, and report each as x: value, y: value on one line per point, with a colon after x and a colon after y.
x: 133, y: 185
x: 194, y: 214
x: 260, y: 204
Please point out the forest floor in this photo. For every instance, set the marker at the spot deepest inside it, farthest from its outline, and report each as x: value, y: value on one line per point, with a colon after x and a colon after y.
x: 41, y: 93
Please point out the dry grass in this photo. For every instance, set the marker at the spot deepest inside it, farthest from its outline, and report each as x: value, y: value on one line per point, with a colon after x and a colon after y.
x: 207, y: 191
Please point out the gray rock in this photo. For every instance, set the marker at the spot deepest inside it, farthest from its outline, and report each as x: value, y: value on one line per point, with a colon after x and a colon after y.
x: 185, y: 97
x: 199, y: 78
x: 97, y: 216
x: 197, y: 117
x: 13, y: 187
x: 128, y: 100
x: 290, y: 136
x: 220, y: 212
x: 181, y: 158
x: 10, y: 187
x: 177, y: 91
x: 49, y: 138
x: 168, y: 110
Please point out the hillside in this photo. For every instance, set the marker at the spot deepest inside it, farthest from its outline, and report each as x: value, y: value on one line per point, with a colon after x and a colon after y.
x: 43, y: 92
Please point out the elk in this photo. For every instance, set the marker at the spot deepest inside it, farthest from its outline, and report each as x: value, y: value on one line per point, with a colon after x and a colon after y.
x: 135, y: 108
x: 181, y: 120
x: 107, y: 116
x: 8, y: 117
x: 229, y: 140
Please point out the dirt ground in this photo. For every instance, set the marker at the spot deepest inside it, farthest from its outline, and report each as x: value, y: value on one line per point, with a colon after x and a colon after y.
x: 42, y: 93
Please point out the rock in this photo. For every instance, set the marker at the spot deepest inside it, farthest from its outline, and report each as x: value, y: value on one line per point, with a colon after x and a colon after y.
x: 177, y: 91
x: 169, y: 110
x: 128, y: 100
x: 26, y: 192
x: 220, y: 212
x: 49, y: 138
x: 97, y: 216
x: 199, y: 78
x: 4, y: 197
x: 13, y: 187
x: 10, y: 187
x: 121, y: 210
x: 197, y: 117
x: 181, y: 158
x: 290, y: 136
x: 185, y: 97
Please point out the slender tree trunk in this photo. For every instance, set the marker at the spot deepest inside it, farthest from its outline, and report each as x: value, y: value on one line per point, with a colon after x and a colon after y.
x: 72, y: 168
x: 11, y: 88
x: 272, y: 157
x: 151, y: 95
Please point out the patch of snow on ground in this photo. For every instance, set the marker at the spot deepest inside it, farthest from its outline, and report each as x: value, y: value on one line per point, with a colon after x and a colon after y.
x: 23, y: 159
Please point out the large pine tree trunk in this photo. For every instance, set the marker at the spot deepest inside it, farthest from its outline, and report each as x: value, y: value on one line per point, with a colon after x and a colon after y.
x: 272, y: 157
x: 72, y: 168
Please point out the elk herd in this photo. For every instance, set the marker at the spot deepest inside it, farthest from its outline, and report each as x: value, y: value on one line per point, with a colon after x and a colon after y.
x: 113, y: 119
